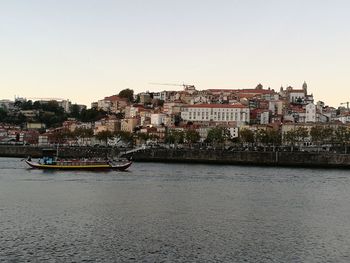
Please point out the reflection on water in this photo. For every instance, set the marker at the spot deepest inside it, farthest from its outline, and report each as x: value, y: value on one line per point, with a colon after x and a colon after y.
x: 174, y: 212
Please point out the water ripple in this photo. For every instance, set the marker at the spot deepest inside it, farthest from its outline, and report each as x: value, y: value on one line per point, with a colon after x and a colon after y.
x: 174, y: 213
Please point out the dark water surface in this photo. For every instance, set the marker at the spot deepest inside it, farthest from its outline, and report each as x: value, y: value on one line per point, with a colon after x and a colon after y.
x: 174, y: 213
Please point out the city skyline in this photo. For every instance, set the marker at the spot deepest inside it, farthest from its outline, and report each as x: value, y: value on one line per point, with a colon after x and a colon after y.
x: 86, y: 50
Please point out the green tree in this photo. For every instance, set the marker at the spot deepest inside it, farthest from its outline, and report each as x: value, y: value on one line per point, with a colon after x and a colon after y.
x: 27, y: 105
x: 297, y: 135
x: 342, y: 136
x: 301, y: 134
x: 192, y: 136
x: 3, y: 115
x: 316, y: 134
x: 142, y: 136
x: 175, y: 137
x: 216, y: 136
x: 246, y: 136
x: 104, y: 136
x: 262, y: 137
x: 321, y: 135
x: 37, y: 105
x: 91, y: 115
x: 126, y: 137
x: 83, y: 133
x: 275, y: 138
x: 75, y: 111
x: 127, y: 94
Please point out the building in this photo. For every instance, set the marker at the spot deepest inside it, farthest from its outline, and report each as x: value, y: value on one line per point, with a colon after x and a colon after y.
x: 237, y: 113
x: 129, y: 124
x: 310, y: 113
x: 158, y: 118
x: 7, y: 104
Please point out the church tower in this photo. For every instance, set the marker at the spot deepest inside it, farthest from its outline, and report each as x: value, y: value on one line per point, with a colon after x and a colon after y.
x: 305, y: 87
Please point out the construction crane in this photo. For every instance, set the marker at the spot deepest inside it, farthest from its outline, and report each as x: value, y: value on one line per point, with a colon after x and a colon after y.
x: 45, y: 99
x: 347, y: 104
x: 185, y: 86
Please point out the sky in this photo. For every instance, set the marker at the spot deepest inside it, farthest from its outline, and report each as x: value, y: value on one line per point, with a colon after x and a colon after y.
x: 84, y: 50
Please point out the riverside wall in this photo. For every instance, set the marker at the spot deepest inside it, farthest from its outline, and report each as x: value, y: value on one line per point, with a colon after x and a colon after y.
x: 298, y: 159
x: 64, y: 152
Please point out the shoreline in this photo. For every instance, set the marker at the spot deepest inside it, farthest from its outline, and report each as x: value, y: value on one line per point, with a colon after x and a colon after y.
x: 204, y: 156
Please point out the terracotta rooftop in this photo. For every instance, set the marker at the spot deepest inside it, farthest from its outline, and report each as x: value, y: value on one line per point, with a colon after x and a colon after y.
x: 256, y: 91
x: 216, y: 106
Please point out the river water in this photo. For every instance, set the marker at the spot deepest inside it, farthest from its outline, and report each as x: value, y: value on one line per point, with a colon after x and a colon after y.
x: 174, y: 213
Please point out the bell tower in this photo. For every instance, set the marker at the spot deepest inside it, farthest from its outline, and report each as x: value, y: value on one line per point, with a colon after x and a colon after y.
x: 305, y: 87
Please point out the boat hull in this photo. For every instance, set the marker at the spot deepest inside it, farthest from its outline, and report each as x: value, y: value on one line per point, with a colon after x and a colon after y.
x: 90, y: 167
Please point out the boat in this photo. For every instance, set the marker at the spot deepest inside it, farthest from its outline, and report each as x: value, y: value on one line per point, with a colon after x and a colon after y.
x: 51, y: 162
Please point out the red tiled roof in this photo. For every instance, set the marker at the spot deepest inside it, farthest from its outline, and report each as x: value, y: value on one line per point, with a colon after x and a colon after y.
x: 296, y: 90
x: 216, y: 106
x: 115, y: 98
x: 256, y: 91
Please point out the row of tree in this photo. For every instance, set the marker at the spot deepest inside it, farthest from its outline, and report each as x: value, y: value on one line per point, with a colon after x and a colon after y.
x: 218, y: 136
x: 51, y: 114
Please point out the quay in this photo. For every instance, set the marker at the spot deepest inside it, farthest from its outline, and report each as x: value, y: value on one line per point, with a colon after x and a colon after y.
x: 205, y: 156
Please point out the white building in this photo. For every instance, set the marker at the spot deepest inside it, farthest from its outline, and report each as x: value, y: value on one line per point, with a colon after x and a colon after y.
x: 264, y: 117
x: 163, y: 95
x: 344, y: 118
x: 310, y: 112
x: 296, y: 95
x: 43, y: 140
x: 216, y: 112
x: 104, y: 105
x: 6, y: 104
x: 233, y: 132
x: 65, y: 104
x: 276, y: 107
x: 157, y: 119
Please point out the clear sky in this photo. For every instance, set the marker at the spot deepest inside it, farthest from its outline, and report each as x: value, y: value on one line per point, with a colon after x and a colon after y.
x: 84, y: 50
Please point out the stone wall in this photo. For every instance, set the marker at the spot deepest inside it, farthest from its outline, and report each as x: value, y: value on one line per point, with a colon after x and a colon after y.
x: 302, y: 159
x: 299, y: 159
x: 64, y: 152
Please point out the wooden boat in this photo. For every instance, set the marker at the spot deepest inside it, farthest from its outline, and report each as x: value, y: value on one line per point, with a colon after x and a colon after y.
x: 51, y: 162
x: 118, y: 165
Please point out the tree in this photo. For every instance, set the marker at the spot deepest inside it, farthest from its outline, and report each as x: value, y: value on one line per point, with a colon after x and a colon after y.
x: 320, y: 135
x: 104, y: 136
x: 127, y: 94
x: 246, y: 136
x: 75, y: 111
x: 91, y: 115
x: 175, y: 137
x: 316, y: 134
x: 301, y: 133
x: 142, y: 136
x: 216, y: 136
x: 262, y: 137
x: 126, y: 137
x: 192, y: 136
x: 342, y: 136
x: 27, y: 105
x: 83, y: 133
x: 297, y: 135
x: 3, y: 115
x: 275, y: 137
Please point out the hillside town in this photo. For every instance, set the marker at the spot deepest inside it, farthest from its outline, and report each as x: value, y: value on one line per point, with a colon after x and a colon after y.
x: 256, y: 117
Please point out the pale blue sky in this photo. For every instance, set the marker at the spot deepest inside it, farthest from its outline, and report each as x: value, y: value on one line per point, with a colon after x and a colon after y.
x: 84, y: 50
